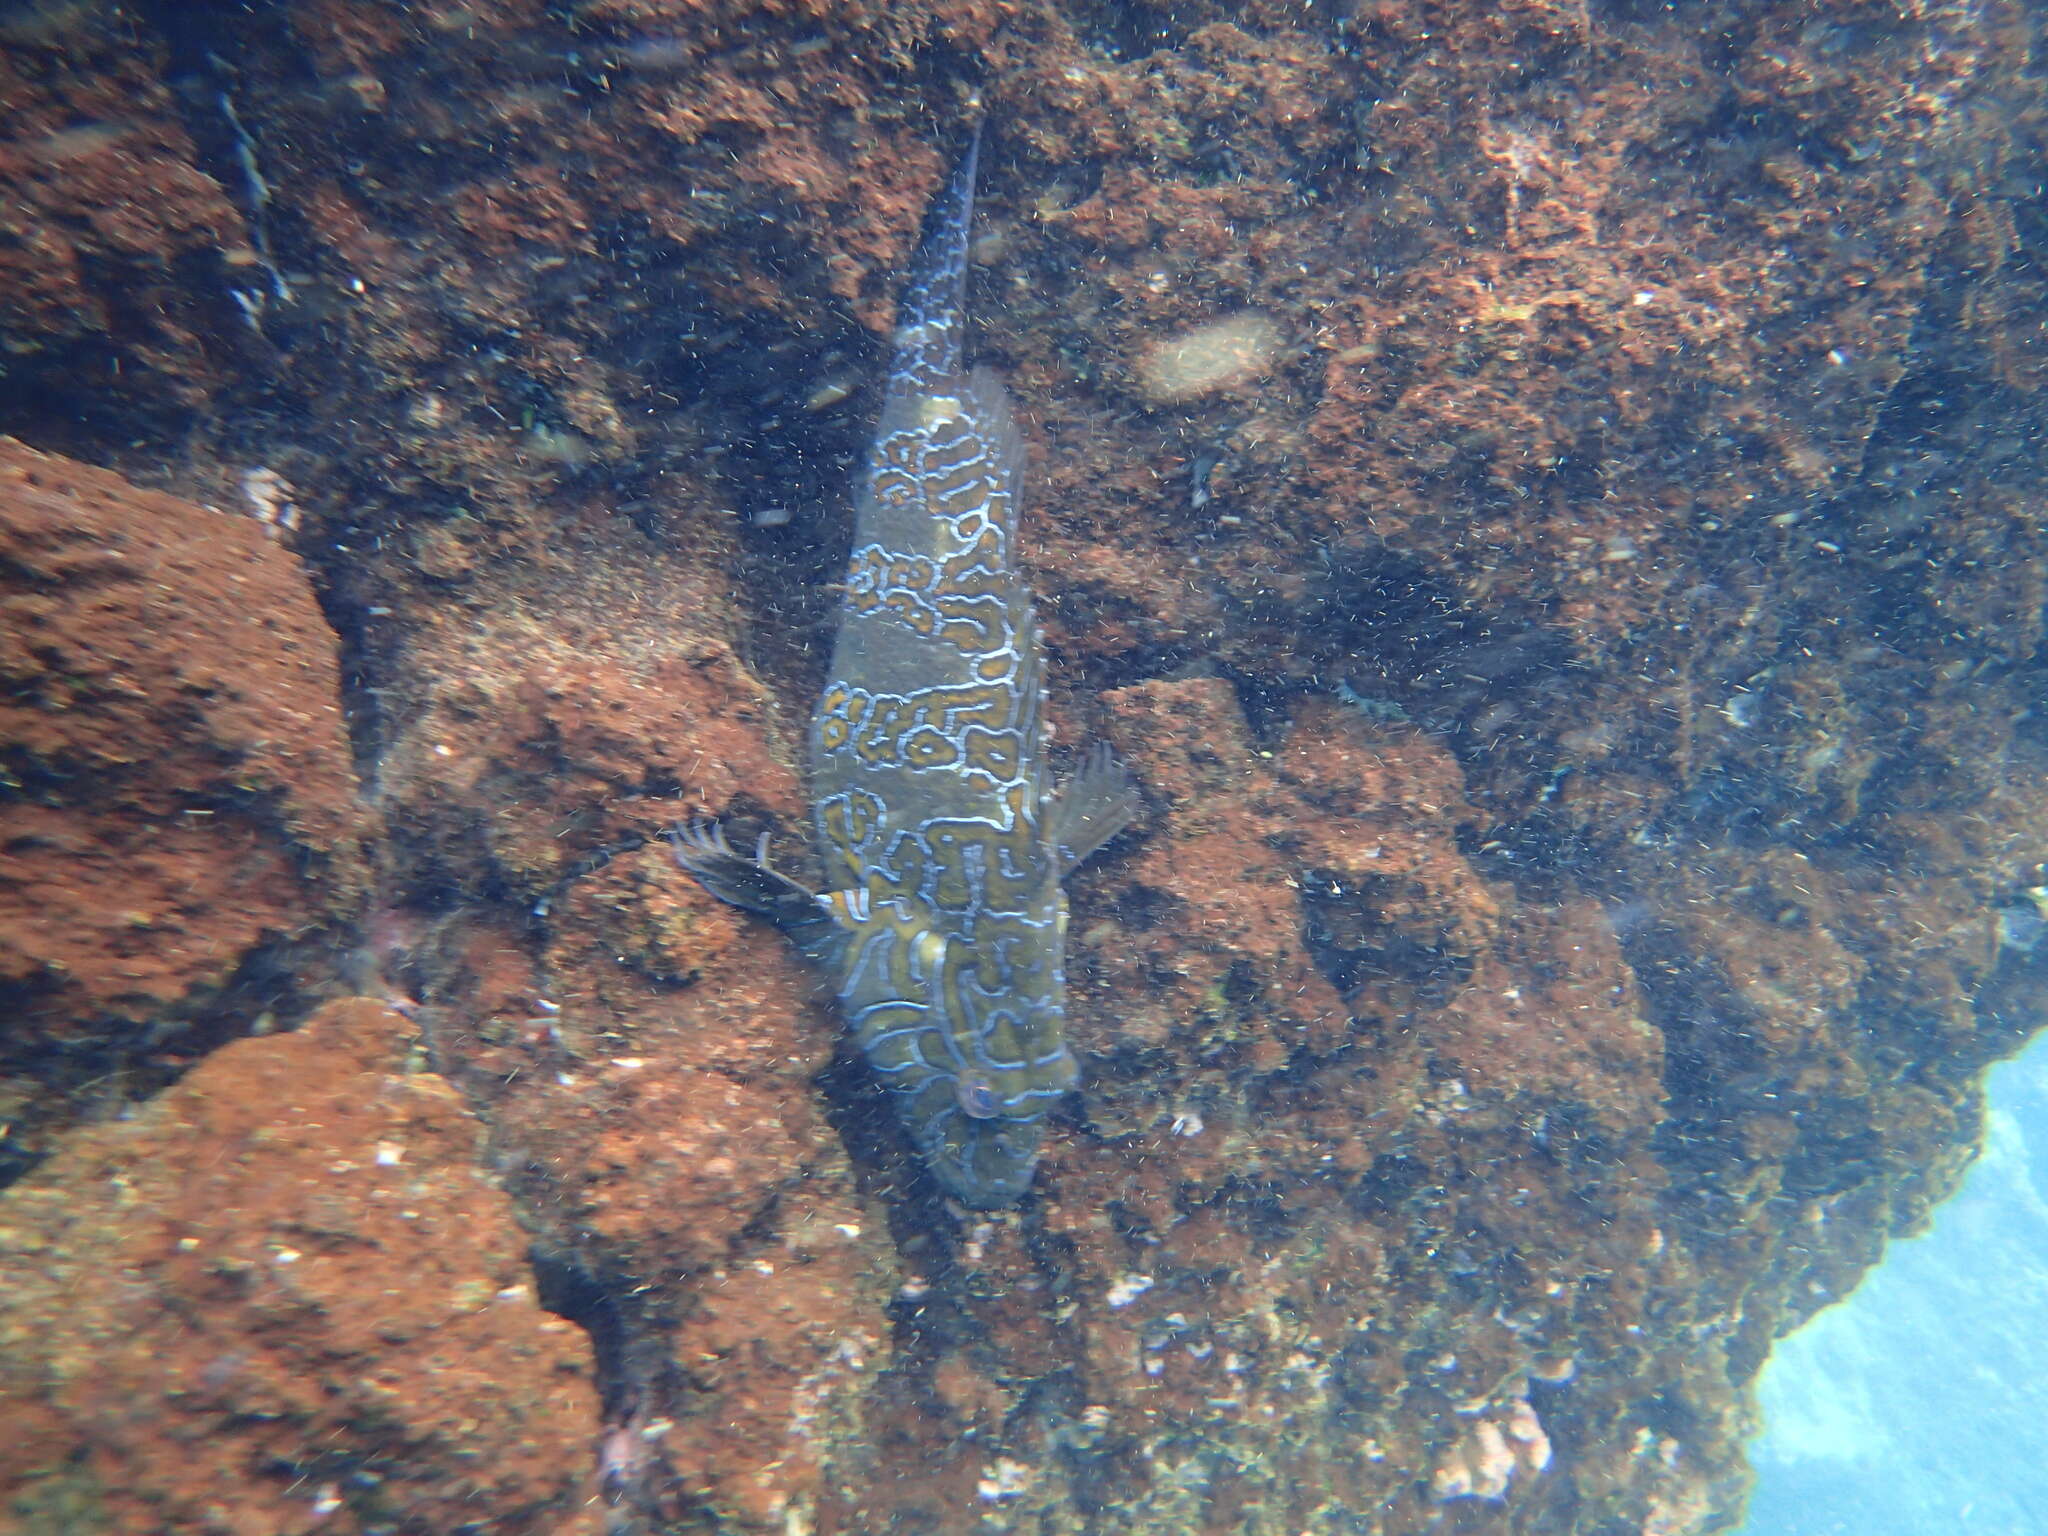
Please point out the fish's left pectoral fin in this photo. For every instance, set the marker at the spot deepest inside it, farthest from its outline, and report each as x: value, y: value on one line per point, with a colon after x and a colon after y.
x: 701, y: 848
x: 1091, y: 808
x: 751, y: 883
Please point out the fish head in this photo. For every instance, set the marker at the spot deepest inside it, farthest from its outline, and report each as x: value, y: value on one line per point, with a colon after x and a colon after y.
x: 985, y: 1163
x: 979, y: 1116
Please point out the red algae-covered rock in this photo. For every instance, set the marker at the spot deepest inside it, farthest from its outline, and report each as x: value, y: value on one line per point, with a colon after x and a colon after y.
x: 676, y: 1145
x: 284, y: 1297
x: 107, y: 216
x: 1224, y: 811
x: 181, y: 794
x: 1575, y: 612
x: 645, y: 1055
x: 544, y: 734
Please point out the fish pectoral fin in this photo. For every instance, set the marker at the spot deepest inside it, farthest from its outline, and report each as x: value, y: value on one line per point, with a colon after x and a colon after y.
x: 750, y: 882
x: 1092, y: 807
x: 701, y: 849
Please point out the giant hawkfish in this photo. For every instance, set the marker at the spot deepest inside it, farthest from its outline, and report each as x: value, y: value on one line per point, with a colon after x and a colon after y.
x: 943, y: 843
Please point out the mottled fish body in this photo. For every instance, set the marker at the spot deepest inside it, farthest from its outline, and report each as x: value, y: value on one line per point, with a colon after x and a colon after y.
x: 944, y: 922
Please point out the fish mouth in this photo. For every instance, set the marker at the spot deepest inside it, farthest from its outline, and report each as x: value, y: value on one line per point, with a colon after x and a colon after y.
x: 985, y: 1163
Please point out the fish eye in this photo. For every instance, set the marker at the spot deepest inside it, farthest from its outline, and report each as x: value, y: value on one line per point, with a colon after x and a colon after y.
x: 978, y: 1097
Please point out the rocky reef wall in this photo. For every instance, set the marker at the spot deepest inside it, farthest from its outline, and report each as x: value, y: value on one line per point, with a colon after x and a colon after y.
x: 1545, y: 496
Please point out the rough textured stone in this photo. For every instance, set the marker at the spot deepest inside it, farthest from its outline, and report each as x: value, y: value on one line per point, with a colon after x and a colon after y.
x: 118, y: 249
x: 1583, y: 671
x: 284, y: 1297
x: 180, y: 815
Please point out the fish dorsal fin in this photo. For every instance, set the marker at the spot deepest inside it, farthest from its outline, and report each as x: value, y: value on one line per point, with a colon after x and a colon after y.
x: 1093, y: 806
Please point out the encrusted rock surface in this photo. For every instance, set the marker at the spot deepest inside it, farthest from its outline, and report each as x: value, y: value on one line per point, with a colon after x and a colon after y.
x: 285, y: 1296
x: 109, y: 218
x: 1546, y: 498
x: 180, y: 813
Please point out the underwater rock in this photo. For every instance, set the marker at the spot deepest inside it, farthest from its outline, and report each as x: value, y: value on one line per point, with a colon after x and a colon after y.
x: 284, y: 1296
x: 1471, y: 1090
x: 119, y: 251
x: 1219, y: 356
x: 181, y: 806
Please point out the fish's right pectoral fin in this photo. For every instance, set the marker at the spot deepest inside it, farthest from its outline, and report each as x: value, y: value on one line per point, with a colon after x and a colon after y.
x: 1091, y: 808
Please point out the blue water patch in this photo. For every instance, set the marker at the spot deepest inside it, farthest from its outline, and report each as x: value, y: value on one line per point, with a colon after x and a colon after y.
x: 1919, y: 1406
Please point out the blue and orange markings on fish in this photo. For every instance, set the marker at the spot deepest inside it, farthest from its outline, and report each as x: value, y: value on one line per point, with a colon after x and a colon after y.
x: 943, y: 842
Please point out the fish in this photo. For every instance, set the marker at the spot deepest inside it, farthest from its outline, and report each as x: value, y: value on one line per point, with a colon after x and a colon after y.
x: 943, y: 840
